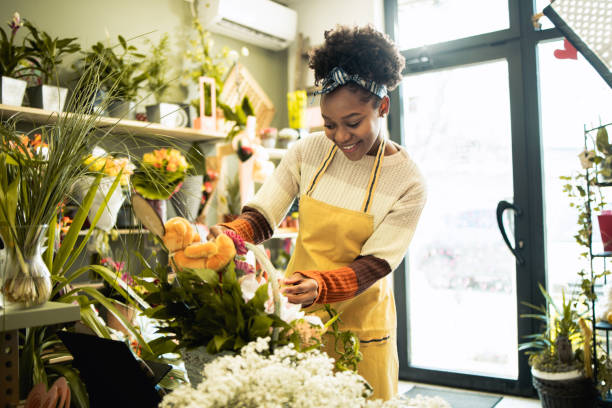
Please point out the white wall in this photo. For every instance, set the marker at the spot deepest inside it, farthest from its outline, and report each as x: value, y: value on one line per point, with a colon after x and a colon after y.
x: 316, y: 16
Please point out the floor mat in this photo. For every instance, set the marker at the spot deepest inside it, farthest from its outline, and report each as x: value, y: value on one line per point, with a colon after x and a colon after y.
x: 456, y: 399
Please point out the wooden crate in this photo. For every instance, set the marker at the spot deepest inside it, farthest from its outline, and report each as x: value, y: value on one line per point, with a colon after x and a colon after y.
x: 240, y: 83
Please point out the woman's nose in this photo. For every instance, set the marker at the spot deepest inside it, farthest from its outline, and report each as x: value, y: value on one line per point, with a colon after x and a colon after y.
x: 342, y: 135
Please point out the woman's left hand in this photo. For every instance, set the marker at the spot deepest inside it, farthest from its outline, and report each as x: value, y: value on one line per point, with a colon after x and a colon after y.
x: 300, y: 289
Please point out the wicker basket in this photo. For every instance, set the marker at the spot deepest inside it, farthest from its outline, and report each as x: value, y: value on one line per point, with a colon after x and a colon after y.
x: 574, y: 393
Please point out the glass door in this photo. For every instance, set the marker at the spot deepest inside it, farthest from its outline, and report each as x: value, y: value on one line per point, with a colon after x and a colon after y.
x: 461, y: 287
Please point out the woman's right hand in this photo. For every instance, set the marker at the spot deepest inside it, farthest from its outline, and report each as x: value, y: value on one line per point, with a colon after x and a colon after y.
x: 216, y: 230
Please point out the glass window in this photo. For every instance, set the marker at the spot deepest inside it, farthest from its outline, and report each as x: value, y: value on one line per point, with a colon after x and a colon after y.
x: 423, y: 22
x: 573, y: 95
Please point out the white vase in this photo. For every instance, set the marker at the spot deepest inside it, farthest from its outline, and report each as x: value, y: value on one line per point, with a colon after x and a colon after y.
x: 187, y: 200
x: 109, y: 215
x: 12, y: 91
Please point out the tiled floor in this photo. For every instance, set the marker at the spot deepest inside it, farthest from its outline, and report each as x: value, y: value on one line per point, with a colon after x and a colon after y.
x: 506, y: 402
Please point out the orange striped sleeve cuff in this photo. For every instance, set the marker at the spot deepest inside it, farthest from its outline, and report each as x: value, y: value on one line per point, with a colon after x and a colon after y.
x: 347, y: 282
x: 251, y: 225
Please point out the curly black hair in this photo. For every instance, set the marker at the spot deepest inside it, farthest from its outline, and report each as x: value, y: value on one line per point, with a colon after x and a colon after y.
x: 364, y: 51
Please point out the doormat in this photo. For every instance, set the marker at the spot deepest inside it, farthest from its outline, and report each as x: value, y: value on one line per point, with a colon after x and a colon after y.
x: 456, y: 399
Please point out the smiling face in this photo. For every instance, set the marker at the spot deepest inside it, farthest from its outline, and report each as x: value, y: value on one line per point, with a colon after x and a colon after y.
x: 352, y: 122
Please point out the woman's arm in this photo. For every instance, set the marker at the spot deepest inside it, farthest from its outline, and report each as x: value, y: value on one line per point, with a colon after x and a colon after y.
x: 269, y: 207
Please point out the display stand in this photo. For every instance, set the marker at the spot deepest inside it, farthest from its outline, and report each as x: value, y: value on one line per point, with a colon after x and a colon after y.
x: 11, y: 320
x: 597, y: 326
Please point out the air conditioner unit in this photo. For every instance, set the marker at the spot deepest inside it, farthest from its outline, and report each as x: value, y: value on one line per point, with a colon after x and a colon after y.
x: 260, y: 22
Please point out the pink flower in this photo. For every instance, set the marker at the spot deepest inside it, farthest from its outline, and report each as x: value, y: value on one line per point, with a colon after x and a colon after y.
x: 15, y: 23
x: 238, y: 242
x: 245, y: 267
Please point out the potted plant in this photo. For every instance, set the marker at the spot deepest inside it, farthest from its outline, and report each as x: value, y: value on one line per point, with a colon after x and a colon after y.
x: 46, y: 55
x: 157, y: 68
x: 204, y: 62
x: 560, y: 355
x: 120, y: 73
x: 12, y: 68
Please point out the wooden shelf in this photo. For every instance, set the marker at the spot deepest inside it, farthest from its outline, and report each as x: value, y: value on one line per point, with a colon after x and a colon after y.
x: 134, y: 127
x: 276, y: 153
x: 14, y: 318
x: 121, y: 231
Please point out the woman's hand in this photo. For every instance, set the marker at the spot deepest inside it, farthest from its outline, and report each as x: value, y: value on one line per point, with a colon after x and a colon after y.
x: 215, y: 231
x: 300, y: 289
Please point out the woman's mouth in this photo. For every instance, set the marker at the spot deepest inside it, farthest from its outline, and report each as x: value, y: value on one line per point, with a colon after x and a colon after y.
x: 348, y: 148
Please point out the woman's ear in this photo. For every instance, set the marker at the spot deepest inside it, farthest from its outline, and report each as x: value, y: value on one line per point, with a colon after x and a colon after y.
x: 383, y: 109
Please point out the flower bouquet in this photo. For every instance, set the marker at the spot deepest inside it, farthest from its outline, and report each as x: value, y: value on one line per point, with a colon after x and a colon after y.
x: 214, y: 303
x: 159, y: 175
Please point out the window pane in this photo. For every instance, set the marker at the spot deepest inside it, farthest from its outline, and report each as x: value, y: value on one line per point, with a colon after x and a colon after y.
x: 573, y: 95
x: 423, y: 22
x: 546, y: 23
x: 461, y: 275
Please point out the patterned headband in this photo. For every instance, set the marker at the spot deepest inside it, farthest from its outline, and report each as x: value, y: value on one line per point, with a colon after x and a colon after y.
x: 338, y: 77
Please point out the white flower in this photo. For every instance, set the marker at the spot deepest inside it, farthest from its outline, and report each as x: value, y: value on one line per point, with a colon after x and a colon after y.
x: 244, y: 51
x: 284, y: 378
x: 249, y: 285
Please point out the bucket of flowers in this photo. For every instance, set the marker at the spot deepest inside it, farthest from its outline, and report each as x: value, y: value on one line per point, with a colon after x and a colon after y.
x: 110, y: 167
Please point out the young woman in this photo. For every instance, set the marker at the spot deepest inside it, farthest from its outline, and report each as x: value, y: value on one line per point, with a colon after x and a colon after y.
x: 360, y: 199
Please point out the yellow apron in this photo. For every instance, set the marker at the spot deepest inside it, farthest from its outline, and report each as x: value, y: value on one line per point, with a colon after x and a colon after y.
x: 331, y: 237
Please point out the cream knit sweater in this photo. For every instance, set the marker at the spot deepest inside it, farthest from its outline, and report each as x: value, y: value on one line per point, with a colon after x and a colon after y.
x: 398, y: 200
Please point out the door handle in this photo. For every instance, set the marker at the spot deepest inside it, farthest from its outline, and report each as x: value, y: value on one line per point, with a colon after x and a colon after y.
x: 501, y: 207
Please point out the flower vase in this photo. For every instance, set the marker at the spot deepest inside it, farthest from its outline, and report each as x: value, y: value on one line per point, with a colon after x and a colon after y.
x: 186, y: 201
x: 108, y: 218
x: 160, y: 208
x: 195, y: 360
x: 25, y: 278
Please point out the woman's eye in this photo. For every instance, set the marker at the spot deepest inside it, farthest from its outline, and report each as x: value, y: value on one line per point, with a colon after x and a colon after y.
x: 353, y: 125
x: 328, y: 126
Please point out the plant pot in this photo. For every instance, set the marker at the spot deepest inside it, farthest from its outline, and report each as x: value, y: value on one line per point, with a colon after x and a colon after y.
x: 121, y: 109
x: 47, y: 97
x: 25, y: 278
x: 160, y: 208
x: 125, y: 217
x: 564, y: 390
x: 109, y: 216
x: 12, y: 91
x: 187, y: 200
x: 172, y: 115
x: 605, y: 229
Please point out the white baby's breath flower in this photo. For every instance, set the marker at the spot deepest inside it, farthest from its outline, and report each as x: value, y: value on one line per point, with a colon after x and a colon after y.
x: 284, y: 378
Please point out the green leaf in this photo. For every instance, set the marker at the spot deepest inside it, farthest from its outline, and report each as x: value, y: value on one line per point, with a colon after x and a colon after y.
x: 207, y: 275
x: 73, y: 233
x: 109, y: 305
x: 259, y: 326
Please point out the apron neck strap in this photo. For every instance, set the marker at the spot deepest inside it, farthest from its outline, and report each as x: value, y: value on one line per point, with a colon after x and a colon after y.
x: 328, y: 158
x: 367, y: 201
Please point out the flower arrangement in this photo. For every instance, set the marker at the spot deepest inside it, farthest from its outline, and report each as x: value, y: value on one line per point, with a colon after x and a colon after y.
x: 111, y: 166
x: 160, y: 174
x: 283, y: 377
x: 221, y: 309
